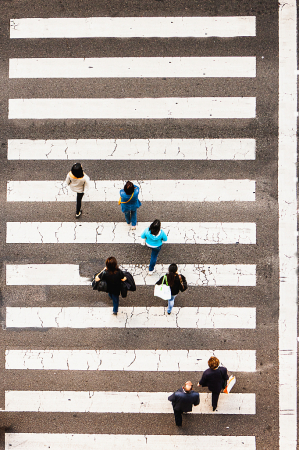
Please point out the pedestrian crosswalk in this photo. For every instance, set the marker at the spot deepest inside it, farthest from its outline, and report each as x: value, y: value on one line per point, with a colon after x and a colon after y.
x: 196, y: 231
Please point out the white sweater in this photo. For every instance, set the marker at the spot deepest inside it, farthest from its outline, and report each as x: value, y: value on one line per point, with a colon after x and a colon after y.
x: 77, y: 184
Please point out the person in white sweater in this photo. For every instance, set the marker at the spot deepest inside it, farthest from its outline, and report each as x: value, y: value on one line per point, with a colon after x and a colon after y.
x: 78, y: 181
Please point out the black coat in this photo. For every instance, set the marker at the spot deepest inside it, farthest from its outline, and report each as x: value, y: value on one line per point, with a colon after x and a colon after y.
x: 113, y: 281
x: 214, y: 379
x: 183, y: 401
x: 177, y: 286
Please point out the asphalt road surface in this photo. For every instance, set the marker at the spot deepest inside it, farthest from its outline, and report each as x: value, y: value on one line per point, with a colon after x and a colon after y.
x: 254, y: 398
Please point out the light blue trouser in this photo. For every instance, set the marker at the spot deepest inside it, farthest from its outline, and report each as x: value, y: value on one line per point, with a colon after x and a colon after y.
x: 170, y: 304
x: 131, y: 216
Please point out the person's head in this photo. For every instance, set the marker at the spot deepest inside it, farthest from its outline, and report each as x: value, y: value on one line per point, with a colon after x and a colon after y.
x: 172, y: 270
x: 129, y: 188
x: 213, y: 362
x: 77, y: 170
x: 111, y: 264
x: 188, y: 386
x: 155, y: 227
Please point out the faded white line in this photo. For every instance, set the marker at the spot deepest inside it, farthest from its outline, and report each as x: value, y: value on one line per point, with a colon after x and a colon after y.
x: 287, y: 200
x: 186, y: 67
x: 38, y: 441
x: 150, y: 191
x: 69, y: 275
x: 125, y: 27
x: 120, y: 402
x: 130, y: 317
x: 128, y: 360
x: 126, y: 149
x: 133, y: 108
x: 119, y: 233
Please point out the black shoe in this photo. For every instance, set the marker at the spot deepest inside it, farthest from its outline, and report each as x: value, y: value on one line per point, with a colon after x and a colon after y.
x: 115, y: 314
x: 214, y: 408
x: 78, y: 215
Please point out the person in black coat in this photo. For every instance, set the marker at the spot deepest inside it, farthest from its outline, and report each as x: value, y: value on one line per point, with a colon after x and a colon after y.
x: 176, y: 283
x: 215, y: 378
x: 113, y: 277
x: 182, y: 401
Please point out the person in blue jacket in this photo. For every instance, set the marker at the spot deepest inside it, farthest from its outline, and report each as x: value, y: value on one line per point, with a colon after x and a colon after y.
x: 154, y: 238
x: 130, y: 203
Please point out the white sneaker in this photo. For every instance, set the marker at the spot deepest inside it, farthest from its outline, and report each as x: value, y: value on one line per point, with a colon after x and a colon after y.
x: 150, y: 272
x: 133, y: 228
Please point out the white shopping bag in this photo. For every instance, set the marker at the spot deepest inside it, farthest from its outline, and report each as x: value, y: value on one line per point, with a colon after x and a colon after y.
x: 230, y: 384
x: 163, y: 290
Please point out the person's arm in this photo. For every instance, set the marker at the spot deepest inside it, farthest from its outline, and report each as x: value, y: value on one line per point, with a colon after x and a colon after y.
x: 68, y: 180
x: 143, y: 234
x: 164, y: 236
x: 97, y: 278
x: 160, y: 281
x: 171, y: 398
x: 86, y: 182
x: 196, y: 403
x: 201, y: 381
x: 122, y: 275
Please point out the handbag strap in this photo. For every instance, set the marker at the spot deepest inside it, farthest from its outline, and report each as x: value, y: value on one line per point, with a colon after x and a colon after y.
x: 100, y: 272
x: 127, y: 200
x: 164, y: 278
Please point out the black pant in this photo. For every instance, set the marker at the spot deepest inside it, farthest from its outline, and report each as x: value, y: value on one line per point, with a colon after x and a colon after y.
x: 79, y: 200
x: 215, y: 396
x: 178, y: 417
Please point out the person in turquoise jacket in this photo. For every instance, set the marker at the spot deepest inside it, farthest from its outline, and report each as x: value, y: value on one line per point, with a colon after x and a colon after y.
x: 130, y: 203
x: 154, y: 238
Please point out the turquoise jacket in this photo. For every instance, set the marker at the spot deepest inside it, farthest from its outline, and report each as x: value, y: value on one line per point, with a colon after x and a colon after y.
x: 133, y: 204
x: 153, y: 241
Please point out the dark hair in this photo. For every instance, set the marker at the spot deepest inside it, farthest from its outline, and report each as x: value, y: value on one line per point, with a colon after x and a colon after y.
x: 172, y: 269
x: 111, y: 264
x: 129, y: 188
x: 155, y: 227
x: 77, y: 170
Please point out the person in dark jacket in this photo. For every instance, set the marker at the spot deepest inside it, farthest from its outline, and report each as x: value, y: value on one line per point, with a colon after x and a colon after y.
x: 175, y: 281
x: 130, y: 203
x: 113, y: 277
x: 215, y: 378
x: 182, y: 401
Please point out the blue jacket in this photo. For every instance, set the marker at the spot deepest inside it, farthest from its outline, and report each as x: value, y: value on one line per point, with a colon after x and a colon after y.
x: 133, y: 204
x: 151, y: 240
x: 183, y: 401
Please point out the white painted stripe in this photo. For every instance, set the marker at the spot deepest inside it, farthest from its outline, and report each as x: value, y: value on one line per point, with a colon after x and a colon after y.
x: 36, y: 441
x: 120, y: 402
x: 126, y: 27
x: 150, y: 190
x: 137, y: 149
x: 171, y: 67
x: 69, y: 275
x: 130, y: 317
x: 133, y: 108
x: 129, y: 360
x: 119, y: 233
x: 287, y: 200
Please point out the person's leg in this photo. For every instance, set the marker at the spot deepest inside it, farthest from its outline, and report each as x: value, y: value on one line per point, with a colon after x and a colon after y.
x: 134, y: 218
x: 79, y: 201
x: 128, y: 217
x: 215, y: 396
x: 154, y: 256
x: 115, y: 299
x: 178, y: 418
x: 170, y: 304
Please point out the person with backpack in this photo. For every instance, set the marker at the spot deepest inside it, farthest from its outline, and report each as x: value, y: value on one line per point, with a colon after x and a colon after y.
x: 78, y: 181
x: 154, y: 237
x: 130, y: 203
x: 176, y: 282
x: 113, y: 277
x: 215, y: 378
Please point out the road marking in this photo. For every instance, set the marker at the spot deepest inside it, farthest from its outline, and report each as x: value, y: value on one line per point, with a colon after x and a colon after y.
x: 126, y: 149
x: 150, y: 190
x: 287, y: 201
x: 130, y: 317
x: 128, y: 360
x: 119, y: 233
x: 69, y: 275
x: 32, y: 441
x: 133, y: 108
x: 127, y: 27
x: 170, y: 67
x: 120, y: 402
